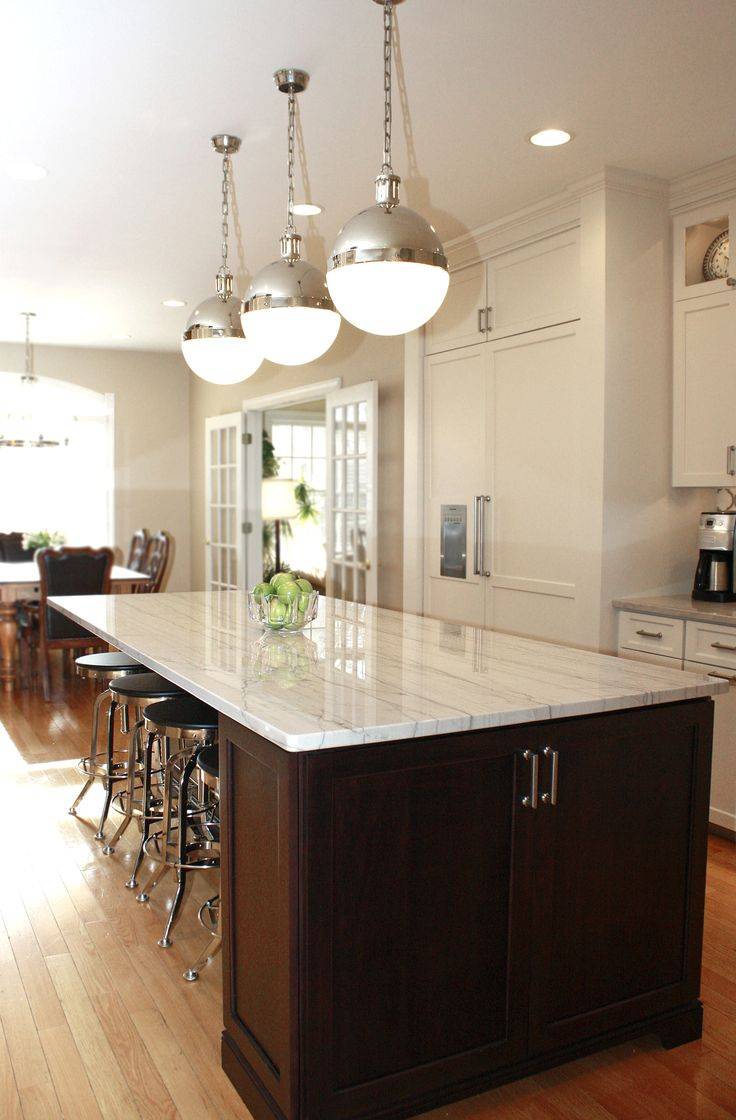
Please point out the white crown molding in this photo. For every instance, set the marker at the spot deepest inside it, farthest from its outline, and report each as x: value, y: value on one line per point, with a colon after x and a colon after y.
x: 554, y: 214
x: 708, y: 184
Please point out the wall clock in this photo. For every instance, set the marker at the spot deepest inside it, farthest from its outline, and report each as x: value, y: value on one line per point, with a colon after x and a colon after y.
x: 715, y: 261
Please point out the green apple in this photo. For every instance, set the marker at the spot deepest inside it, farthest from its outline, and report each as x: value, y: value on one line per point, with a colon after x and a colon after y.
x: 261, y: 591
x: 279, y: 577
x: 288, y: 592
x: 304, y: 585
x: 303, y: 604
x: 276, y: 614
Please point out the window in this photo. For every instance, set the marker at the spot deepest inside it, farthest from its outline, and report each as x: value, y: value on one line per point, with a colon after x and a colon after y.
x: 299, y: 446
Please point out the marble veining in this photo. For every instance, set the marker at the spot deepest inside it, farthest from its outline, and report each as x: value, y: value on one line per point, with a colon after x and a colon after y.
x: 680, y: 606
x: 365, y: 675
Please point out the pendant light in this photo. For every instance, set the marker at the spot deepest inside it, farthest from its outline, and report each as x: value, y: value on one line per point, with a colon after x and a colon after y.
x: 287, y: 310
x: 388, y: 270
x: 27, y: 419
x: 214, y: 344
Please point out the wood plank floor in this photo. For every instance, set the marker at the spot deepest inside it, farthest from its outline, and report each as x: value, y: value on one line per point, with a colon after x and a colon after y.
x: 96, y: 1020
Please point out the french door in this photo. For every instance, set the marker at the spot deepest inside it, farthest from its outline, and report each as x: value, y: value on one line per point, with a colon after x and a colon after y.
x: 224, y: 502
x: 352, y: 489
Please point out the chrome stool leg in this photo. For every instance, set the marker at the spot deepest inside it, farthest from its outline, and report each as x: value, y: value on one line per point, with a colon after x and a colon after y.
x: 93, y: 748
x: 146, y: 817
x: 182, y: 877
x: 163, y: 867
x: 108, y: 780
x: 192, y: 973
x: 133, y: 756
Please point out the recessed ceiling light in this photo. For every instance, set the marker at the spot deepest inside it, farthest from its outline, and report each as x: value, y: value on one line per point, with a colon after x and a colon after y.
x: 307, y: 209
x: 26, y: 171
x: 550, y: 138
x: 174, y: 302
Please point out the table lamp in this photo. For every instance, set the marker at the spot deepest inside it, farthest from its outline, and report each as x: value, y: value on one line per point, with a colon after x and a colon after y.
x: 278, y: 503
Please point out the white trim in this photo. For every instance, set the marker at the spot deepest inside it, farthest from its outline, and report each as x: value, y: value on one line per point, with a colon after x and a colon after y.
x: 292, y: 396
x: 708, y: 185
x: 413, y: 565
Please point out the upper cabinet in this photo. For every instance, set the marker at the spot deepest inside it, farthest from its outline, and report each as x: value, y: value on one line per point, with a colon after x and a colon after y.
x: 704, y: 342
x: 528, y: 288
x: 701, y: 264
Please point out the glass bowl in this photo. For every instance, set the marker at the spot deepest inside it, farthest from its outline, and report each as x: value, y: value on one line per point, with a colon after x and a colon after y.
x: 274, y: 614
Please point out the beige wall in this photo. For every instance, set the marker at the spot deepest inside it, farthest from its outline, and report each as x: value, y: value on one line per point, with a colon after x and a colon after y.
x: 354, y: 357
x: 151, y: 392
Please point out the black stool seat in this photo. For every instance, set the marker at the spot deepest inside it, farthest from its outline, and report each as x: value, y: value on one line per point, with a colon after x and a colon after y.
x: 184, y: 712
x: 140, y: 685
x: 209, y: 761
x: 112, y: 661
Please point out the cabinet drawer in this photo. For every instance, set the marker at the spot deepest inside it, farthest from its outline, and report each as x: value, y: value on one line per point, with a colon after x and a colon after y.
x: 664, y: 636
x: 651, y: 658
x: 711, y: 645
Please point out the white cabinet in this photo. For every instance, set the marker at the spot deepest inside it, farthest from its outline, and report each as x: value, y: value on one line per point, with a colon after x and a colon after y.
x: 723, y: 770
x: 501, y: 421
x: 525, y: 289
x: 692, y: 234
x: 704, y: 393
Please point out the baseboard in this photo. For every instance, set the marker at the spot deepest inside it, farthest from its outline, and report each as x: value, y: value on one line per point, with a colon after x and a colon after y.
x: 724, y: 833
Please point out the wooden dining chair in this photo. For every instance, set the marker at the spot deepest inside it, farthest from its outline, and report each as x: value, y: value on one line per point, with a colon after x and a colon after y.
x: 12, y: 550
x: 138, y: 549
x: 157, y: 560
x: 68, y: 571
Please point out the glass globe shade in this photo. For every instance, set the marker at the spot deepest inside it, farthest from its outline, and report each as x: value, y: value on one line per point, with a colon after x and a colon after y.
x: 291, y: 336
x: 388, y: 272
x: 388, y: 297
x: 214, y: 345
x: 288, y: 312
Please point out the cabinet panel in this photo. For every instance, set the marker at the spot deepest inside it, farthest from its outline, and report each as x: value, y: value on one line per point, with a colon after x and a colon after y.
x: 534, y: 287
x: 704, y: 391
x: 454, y: 472
x: 620, y: 872
x: 711, y: 645
x: 692, y: 234
x: 723, y: 779
x: 651, y: 633
x: 461, y: 319
x: 417, y: 907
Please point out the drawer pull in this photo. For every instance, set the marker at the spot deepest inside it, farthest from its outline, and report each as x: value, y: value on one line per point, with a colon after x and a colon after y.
x: 724, y: 677
x: 551, y: 797
x: 649, y: 633
x: 722, y: 645
x: 530, y: 801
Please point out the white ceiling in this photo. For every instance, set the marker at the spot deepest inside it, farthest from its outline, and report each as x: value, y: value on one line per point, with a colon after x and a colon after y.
x: 118, y: 100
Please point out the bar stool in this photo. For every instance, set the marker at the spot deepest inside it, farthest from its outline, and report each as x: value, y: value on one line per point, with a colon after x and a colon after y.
x: 138, y: 690
x: 194, y: 725
x: 208, y: 766
x: 103, y: 667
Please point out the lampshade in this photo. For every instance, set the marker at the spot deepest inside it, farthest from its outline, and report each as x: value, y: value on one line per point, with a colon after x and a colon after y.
x: 387, y: 273
x: 214, y: 344
x: 288, y: 313
x: 278, y: 500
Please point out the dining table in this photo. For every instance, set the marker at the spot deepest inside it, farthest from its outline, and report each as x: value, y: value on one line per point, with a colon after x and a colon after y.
x: 20, y: 580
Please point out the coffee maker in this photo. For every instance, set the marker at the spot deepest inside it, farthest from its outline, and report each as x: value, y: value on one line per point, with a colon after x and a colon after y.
x: 714, y: 575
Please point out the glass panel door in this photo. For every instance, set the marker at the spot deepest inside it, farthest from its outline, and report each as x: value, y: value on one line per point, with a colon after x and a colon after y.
x: 224, y: 502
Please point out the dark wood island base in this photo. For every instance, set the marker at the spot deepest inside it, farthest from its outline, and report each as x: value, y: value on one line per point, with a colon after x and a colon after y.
x: 410, y: 923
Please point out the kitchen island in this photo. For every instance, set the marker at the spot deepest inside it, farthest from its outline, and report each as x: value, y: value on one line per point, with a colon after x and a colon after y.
x: 451, y: 856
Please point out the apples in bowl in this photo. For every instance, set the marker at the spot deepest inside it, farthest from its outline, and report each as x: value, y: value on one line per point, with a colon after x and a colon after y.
x: 284, y: 603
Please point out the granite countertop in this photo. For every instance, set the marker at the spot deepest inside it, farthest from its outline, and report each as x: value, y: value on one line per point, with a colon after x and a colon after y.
x: 363, y: 674
x: 680, y: 606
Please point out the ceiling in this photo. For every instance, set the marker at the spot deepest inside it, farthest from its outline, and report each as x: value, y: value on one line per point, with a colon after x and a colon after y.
x: 118, y: 101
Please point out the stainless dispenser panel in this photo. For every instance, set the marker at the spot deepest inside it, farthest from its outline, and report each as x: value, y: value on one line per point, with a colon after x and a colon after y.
x: 454, y: 541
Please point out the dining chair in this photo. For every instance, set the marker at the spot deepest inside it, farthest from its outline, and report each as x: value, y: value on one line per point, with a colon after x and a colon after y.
x: 68, y: 571
x: 12, y: 550
x: 138, y: 549
x: 157, y: 560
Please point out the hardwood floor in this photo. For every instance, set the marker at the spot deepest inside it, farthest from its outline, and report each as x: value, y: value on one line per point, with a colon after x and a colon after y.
x: 96, y: 1020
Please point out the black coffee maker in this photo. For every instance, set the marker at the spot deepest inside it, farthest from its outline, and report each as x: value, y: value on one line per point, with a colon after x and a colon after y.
x: 714, y: 575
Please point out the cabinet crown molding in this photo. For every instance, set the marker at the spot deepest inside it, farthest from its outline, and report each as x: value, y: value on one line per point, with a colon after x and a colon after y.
x: 708, y: 184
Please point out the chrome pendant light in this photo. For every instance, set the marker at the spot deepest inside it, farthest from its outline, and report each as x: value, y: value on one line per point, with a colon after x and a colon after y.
x: 214, y: 344
x: 287, y: 310
x: 388, y: 270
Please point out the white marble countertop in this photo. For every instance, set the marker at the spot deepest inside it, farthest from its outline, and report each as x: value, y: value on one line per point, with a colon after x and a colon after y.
x: 365, y: 675
x: 680, y: 606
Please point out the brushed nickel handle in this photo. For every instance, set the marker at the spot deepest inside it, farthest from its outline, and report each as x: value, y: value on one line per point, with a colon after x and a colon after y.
x: 482, y: 312
x: 730, y: 465
x: 554, y: 756
x: 649, y: 633
x: 722, y: 645
x: 531, y: 800
x: 724, y: 677
x: 482, y: 499
x: 476, y: 536
x: 489, y: 319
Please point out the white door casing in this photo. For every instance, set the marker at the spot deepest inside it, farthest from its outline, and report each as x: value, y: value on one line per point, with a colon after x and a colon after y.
x: 224, y: 502
x: 352, y: 492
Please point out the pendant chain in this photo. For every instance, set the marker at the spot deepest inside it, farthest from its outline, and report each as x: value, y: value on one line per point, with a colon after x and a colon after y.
x: 388, y: 10
x: 226, y: 178
x: 290, y: 162
x: 28, y: 375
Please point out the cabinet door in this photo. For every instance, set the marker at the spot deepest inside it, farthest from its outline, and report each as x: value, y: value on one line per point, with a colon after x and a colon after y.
x: 692, y: 234
x: 723, y: 779
x: 417, y: 910
x: 533, y: 287
x: 454, y: 474
x: 461, y: 319
x: 619, y: 871
x: 704, y: 391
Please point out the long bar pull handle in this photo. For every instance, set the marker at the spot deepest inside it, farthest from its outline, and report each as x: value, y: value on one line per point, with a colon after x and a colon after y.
x: 722, y: 645
x: 550, y: 798
x: 730, y: 465
x: 649, y: 633
x: 482, y: 499
x: 489, y: 320
x: 482, y: 320
x: 531, y: 799
x: 476, y: 535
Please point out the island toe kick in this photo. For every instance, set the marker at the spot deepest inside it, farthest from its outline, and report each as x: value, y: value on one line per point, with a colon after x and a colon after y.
x: 410, y: 923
